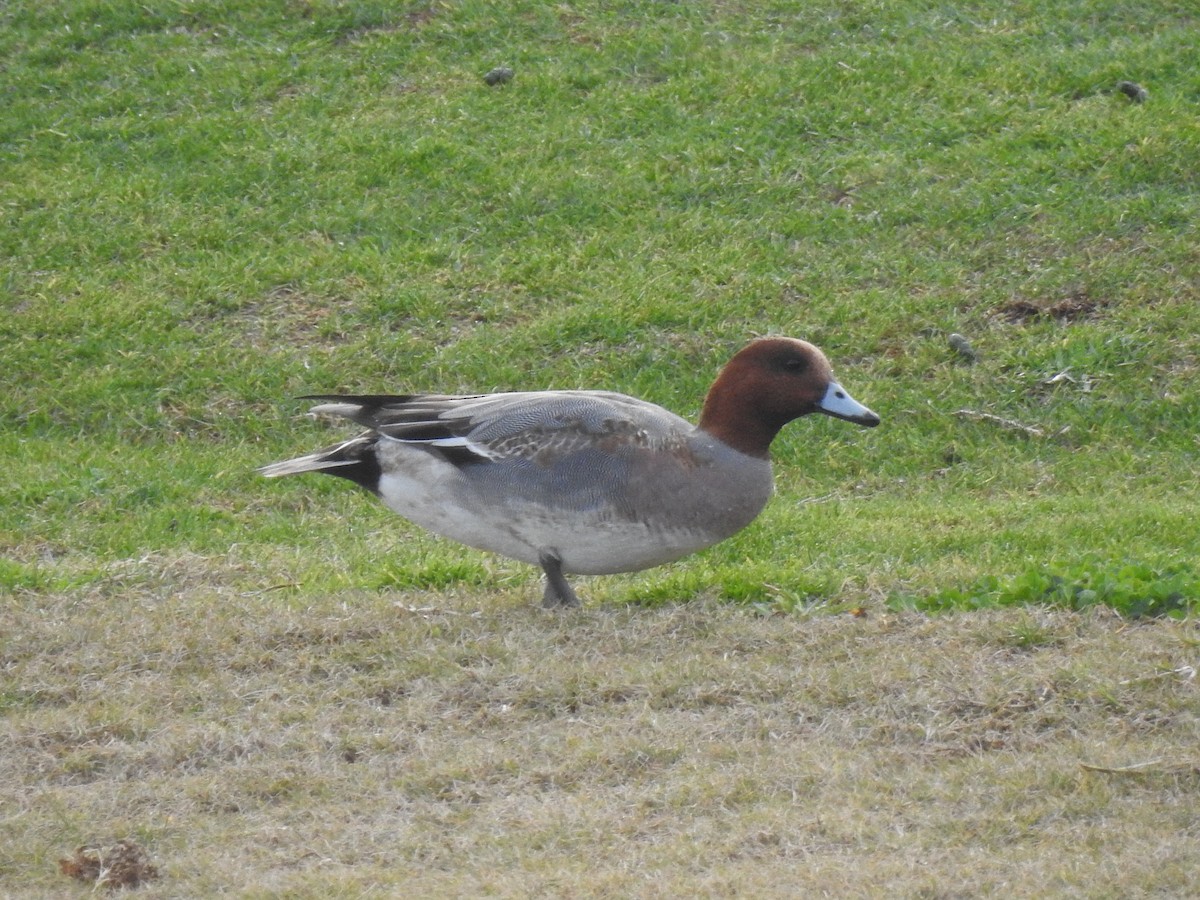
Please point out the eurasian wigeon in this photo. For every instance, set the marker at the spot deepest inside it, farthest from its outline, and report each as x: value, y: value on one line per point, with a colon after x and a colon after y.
x: 584, y: 482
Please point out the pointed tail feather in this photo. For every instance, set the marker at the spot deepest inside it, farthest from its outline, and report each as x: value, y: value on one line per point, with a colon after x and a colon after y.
x: 354, y: 460
x: 314, y: 462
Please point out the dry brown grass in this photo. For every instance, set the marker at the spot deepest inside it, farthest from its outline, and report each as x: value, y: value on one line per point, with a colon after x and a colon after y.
x: 256, y: 744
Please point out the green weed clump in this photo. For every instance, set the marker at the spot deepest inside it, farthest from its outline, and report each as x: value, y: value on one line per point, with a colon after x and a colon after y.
x: 19, y: 576
x: 1133, y: 589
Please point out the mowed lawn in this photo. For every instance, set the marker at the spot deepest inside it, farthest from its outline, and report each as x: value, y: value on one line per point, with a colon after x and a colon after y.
x: 957, y: 654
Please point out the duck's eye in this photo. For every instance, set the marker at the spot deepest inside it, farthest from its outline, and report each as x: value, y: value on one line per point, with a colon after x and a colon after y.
x: 795, y: 364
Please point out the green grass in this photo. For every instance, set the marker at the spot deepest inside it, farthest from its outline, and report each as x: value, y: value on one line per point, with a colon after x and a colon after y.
x: 1133, y: 590
x: 211, y: 208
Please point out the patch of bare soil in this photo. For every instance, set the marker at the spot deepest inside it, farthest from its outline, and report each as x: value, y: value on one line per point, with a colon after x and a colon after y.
x: 1073, y: 307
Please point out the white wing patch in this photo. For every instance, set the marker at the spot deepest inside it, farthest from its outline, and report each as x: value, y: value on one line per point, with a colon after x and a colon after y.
x: 456, y: 441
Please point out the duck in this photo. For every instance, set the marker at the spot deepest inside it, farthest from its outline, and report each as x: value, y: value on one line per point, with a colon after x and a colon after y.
x: 582, y: 482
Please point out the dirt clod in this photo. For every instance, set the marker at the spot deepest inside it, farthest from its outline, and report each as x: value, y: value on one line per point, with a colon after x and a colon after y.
x: 120, y: 865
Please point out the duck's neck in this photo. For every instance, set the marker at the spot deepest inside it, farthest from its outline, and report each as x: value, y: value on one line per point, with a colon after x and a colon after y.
x: 738, y: 424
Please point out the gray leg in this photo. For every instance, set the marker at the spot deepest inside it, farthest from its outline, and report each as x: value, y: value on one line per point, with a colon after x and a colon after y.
x: 558, y: 592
